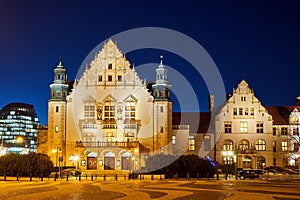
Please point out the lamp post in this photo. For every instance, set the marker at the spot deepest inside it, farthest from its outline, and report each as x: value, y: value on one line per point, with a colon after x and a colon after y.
x: 57, y: 159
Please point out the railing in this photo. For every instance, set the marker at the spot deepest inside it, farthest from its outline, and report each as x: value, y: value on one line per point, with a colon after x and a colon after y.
x: 181, y: 127
x: 109, y: 126
x: 130, y: 126
x: 99, y: 144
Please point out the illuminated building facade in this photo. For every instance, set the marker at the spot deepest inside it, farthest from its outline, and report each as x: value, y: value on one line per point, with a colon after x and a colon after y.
x: 18, y: 128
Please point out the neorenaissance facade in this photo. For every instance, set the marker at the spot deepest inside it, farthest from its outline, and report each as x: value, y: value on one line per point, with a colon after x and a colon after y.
x: 113, y: 120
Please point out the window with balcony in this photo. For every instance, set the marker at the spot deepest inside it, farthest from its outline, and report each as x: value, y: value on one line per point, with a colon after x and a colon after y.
x: 244, y: 127
x: 109, y: 112
x: 260, y: 145
x: 130, y: 114
x: 259, y: 127
x: 89, y: 111
x: 227, y: 127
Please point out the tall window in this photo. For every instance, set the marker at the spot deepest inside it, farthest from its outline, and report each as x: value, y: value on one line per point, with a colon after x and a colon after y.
x: 109, y: 112
x: 109, y: 78
x: 109, y: 66
x: 227, y: 145
x: 130, y: 114
x: 274, y: 131
x: 296, y: 131
x: 191, y: 143
x: 260, y: 145
x: 243, y: 98
x: 251, y: 111
x: 243, y: 145
x: 259, y: 127
x: 240, y: 111
x: 161, y: 109
x: 57, y: 109
x: 89, y: 111
x: 284, y: 146
x: 100, y: 78
x: 284, y: 131
x: 274, y: 146
x: 227, y: 127
x: 246, y: 111
x: 244, y: 127
x: 234, y: 111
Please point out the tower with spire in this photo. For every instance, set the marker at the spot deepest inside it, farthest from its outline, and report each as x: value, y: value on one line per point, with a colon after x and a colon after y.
x: 57, y: 116
x: 162, y: 109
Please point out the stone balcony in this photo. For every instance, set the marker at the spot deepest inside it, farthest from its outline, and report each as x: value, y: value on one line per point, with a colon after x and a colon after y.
x: 99, y: 144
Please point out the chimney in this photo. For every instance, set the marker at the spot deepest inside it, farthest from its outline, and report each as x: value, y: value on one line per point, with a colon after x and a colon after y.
x: 211, y: 101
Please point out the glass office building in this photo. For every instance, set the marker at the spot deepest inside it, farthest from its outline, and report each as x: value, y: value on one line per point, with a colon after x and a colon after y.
x: 18, y: 128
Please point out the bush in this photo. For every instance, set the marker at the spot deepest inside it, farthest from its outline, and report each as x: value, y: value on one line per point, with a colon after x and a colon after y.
x: 25, y: 164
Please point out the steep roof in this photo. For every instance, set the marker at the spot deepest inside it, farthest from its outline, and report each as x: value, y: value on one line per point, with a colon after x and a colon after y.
x: 198, y: 121
x: 281, y: 114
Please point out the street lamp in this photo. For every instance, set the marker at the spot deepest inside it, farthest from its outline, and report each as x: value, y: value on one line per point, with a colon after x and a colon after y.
x: 59, y: 159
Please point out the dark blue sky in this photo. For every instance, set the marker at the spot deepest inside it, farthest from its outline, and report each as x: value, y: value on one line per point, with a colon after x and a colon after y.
x: 253, y: 40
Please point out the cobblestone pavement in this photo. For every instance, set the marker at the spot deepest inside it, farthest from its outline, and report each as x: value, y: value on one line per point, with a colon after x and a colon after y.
x: 171, y: 189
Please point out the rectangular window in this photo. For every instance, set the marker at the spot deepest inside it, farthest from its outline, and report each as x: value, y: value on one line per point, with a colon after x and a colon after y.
x: 274, y: 131
x: 284, y: 145
x: 284, y: 131
x: 130, y: 114
x: 56, y: 109
x: 89, y: 111
x: 274, y: 146
x: 244, y: 127
x: 252, y: 111
x: 227, y: 127
x: 100, y: 78
x: 246, y: 111
x: 191, y: 143
x: 207, y: 143
x: 109, y: 66
x: 161, y: 109
x: 109, y: 112
x: 240, y: 111
x: 109, y: 78
x: 119, y: 78
x: 173, y: 139
x: 234, y: 111
x: 259, y: 127
x: 243, y: 98
x: 296, y: 131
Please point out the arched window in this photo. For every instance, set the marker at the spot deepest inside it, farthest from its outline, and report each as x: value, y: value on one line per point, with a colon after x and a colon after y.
x: 244, y: 145
x: 227, y: 145
x: 260, y: 145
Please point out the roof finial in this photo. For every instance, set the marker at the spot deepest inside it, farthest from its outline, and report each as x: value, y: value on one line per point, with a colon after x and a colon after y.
x: 161, y: 58
x: 60, y: 60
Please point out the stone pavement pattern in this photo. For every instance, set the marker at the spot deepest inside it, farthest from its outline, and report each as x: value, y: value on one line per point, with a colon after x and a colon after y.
x: 179, y: 190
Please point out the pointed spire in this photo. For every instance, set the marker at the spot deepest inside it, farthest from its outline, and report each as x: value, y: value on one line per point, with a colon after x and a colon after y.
x: 161, y: 65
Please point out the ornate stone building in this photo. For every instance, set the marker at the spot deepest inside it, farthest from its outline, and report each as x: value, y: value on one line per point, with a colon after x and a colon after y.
x: 112, y: 120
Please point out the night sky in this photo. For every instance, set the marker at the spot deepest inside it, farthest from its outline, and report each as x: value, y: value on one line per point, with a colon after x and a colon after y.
x: 258, y: 41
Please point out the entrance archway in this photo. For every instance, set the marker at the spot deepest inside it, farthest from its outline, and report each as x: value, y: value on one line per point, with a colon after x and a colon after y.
x: 127, y: 161
x: 109, y: 161
x: 91, y: 161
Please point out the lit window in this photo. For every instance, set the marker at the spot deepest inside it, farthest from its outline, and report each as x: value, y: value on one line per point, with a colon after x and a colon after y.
x: 244, y: 127
x: 173, y: 139
x: 191, y: 143
x: 259, y: 127
x: 284, y: 145
x: 244, y: 145
x: 227, y: 145
x: 109, y: 112
x: 260, y: 145
x: 56, y: 129
x: 274, y: 146
x: 130, y: 114
x: 227, y: 127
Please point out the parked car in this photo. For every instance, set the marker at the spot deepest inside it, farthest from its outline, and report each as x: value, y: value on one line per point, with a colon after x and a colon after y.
x: 291, y: 171
x: 248, y: 173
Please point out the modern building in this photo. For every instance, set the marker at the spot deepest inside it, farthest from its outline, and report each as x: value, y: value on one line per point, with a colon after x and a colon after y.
x: 18, y: 128
x: 113, y: 120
